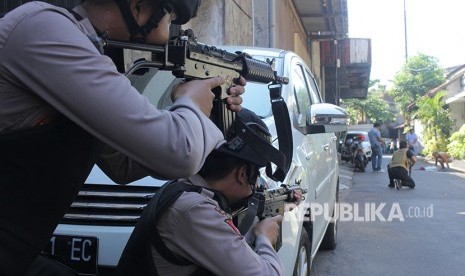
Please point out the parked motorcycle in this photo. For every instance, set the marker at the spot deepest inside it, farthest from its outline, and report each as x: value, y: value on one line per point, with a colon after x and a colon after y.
x: 352, y: 151
x: 346, y: 151
x: 359, y: 160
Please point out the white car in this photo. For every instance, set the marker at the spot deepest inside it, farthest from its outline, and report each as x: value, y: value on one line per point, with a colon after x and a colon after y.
x: 365, y: 141
x: 94, y: 232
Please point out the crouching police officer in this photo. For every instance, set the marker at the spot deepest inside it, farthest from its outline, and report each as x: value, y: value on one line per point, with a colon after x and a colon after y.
x: 187, y: 228
x: 400, y: 167
x: 61, y: 100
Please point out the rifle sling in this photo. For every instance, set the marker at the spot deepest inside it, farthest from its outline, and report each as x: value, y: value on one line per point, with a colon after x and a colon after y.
x: 283, y: 129
x: 247, y: 221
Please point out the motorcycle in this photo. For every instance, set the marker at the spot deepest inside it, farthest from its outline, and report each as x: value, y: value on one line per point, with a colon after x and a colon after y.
x: 345, y: 150
x: 352, y: 151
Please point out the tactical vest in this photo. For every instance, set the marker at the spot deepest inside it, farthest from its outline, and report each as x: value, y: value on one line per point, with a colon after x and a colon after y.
x: 41, y: 171
x: 400, y: 159
x: 137, y: 255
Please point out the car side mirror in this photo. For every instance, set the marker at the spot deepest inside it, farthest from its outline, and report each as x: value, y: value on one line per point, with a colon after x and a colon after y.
x: 326, y: 118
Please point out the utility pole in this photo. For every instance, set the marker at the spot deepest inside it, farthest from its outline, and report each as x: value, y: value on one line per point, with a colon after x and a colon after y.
x: 405, y: 32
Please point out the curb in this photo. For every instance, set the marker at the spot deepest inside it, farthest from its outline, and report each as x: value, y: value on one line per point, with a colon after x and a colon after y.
x: 345, y: 177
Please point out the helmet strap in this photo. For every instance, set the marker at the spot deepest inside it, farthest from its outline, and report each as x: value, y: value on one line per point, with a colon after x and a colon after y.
x: 155, y: 18
x: 252, y: 175
x: 134, y: 29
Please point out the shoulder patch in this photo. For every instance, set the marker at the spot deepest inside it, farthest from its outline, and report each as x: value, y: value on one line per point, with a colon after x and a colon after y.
x: 231, y: 224
x: 221, y: 211
x: 228, y: 220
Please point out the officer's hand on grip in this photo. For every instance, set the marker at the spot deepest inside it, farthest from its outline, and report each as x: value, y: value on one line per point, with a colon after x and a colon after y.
x: 234, y: 102
x: 269, y: 227
x: 200, y: 91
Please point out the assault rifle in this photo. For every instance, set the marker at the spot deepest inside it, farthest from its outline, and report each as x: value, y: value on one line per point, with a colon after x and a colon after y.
x: 273, y: 202
x: 267, y: 203
x: 189, y: 59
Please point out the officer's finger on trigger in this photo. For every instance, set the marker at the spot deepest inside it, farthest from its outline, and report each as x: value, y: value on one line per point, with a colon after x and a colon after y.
x: 217, y: 81
x: 278, y: 218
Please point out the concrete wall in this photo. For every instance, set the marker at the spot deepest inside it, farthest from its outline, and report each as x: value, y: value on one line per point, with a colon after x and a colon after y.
x: 209, y: 24
x: 289, y: 32
x: 457, y: 112
x: 246, y: 22
x: 262, y: 27
x: 457, y: 108
x: 224, y: 22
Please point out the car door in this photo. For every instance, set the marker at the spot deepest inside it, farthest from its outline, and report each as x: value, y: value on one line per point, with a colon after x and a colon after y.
x: 312, y: 148
x: 325, y: 194
x: 329, y: 145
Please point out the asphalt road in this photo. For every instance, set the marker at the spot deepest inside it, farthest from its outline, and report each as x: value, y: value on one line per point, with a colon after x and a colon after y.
x: 417, y: 231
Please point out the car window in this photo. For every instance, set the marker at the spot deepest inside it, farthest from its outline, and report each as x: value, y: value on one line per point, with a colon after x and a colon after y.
x: 314, y: 92
x: 257, y: 99
x: 301, y: 94
x: 257, y: 95
x: 149, y: 81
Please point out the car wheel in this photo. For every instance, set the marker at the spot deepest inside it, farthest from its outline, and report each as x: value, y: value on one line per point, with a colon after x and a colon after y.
x: 303, y: 261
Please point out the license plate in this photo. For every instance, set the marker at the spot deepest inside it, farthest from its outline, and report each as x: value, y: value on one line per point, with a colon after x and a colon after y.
x: 77, y: 252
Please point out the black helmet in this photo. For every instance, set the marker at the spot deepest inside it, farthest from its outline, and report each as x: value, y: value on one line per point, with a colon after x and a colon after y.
x: 251, y: 141
x: 184, y: 9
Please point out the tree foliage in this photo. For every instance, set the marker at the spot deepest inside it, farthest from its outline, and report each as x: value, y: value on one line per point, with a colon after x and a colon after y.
x: 435, y: 117
x: 420, y: 74
x: 373, y: 108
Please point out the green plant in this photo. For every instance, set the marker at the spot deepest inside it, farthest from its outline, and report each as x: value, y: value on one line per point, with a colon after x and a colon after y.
x: 418, y: 75
x: 436, y: 121
x: 456, y: 146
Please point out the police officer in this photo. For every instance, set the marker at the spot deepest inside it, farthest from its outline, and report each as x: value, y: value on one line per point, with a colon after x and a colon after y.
x: 401, y: 163
x: 187, y: 228
x: 61, y: 100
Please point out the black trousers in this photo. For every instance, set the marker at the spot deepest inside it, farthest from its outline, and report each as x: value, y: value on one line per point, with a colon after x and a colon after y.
x: 402, y: 174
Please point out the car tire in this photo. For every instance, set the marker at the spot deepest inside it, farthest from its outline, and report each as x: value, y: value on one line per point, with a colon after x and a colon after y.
x: 303, y: 262
x: 329, y: 241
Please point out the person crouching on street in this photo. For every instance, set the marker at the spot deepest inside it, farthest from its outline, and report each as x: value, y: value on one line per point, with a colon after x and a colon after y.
x: 402, y: 161
x: 188, y: 229
x: 442, y: 158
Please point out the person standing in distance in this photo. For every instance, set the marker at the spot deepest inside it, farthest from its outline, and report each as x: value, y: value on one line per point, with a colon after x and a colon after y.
x: 412, y: 141
x: 64, y: 107
x: 376, y: 146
